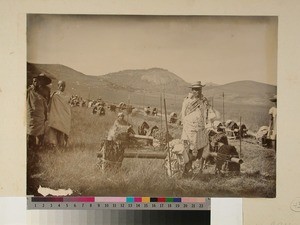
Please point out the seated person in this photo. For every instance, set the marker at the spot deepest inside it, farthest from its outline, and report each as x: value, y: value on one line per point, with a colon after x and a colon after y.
x: 119, y: 127
x: 225, y: 153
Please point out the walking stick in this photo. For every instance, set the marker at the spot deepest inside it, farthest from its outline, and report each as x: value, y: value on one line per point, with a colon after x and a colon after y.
x: 167, y: 137
x: 161, y: 111
x: 240, y: 137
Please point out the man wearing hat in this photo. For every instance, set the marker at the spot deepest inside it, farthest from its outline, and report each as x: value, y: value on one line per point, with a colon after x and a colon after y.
x: 272, y: 133
x: 44, y: 90
x: 194, y: 114
x: 36, y: 112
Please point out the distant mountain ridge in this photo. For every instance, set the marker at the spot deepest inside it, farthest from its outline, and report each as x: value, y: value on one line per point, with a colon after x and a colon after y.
x: 144, y: 86
x: 151, y: 80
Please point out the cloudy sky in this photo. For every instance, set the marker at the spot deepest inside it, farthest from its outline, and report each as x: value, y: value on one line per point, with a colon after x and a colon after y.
x: 210, y: 49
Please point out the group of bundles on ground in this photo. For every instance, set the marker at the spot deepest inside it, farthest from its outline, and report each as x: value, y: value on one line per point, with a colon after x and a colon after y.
x: 224, y: 158
x: 98, y: 107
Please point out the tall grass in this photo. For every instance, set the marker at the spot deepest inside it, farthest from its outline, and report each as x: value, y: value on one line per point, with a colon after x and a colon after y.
x: 76, y: 166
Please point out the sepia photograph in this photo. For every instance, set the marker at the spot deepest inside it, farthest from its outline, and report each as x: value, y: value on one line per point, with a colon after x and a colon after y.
x: 144, y: 105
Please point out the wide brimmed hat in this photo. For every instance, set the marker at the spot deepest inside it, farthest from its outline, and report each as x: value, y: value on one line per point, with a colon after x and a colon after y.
x: 43, y: 79
x: 274, y: 98
x: 197, y: 84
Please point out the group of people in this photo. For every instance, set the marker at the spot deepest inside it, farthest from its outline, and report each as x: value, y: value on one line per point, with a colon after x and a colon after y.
x: 148, y: 111
x: 195, y: 116
x: 48, y: 116
x: 76, y: 100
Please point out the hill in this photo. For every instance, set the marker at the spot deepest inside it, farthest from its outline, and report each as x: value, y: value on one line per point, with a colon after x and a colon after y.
x: 90, y: 87
x: 242, y: 92
x: 149, y: 80
x: 141, y: 88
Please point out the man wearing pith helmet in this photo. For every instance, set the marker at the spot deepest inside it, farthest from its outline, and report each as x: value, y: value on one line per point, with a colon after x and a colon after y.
x: 194, y: 114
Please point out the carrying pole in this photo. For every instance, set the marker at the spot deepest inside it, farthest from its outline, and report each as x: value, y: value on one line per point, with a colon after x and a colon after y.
x: 167, y: 137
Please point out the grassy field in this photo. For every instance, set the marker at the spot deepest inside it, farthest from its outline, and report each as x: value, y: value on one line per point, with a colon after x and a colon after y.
x: 76, y: 167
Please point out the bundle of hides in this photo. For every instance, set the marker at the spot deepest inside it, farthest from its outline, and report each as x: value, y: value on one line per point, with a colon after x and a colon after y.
x: 112, y: 155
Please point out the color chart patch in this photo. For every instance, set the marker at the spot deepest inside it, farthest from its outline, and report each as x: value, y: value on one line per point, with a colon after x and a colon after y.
x: 143, y: 203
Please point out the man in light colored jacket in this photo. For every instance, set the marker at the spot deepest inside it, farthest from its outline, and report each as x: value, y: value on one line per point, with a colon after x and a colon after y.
x: 194, y: 116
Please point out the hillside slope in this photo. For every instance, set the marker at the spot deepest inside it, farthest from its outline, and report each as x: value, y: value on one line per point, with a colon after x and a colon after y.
x: 151, y: 80
x: 143, y: 87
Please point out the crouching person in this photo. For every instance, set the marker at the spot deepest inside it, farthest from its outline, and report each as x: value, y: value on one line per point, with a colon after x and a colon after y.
x: 112, y: 149
x: 227, y: 159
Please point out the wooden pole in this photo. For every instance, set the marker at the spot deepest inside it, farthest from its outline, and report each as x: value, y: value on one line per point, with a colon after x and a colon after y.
x: 128, y: 104
x: 141, y: 154
x: 161, y: 111
x: 223, y: 110
x: 240, y: 137
x: 167, y: 137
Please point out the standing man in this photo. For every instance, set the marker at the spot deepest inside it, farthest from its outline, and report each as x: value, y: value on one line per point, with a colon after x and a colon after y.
x: 36, y: 112
x: 44, y: 89
x: 194, y: 115
x: 272, y: 133
x: 59, y: 117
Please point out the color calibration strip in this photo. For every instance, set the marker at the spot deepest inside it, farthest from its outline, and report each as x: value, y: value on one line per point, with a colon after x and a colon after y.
x: 146, y: 203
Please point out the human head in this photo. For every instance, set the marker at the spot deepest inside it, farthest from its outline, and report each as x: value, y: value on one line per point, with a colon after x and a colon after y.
x: 35, y: 82
x: 43, y: 80
x: 221, y: 139
x: 61, y: 85
x: 120, y: 116
x: 197, y: 88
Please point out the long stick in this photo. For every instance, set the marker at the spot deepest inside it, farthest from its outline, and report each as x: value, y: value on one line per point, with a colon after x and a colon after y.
x: 240, y: 136
x: 161, y: 111
x: 167, y: 136
x: 141, y: 154
x: 223, y: 110
x: 128, y: 105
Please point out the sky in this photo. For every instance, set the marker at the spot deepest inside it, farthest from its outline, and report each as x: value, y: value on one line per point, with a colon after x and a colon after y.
x: 206, y: 48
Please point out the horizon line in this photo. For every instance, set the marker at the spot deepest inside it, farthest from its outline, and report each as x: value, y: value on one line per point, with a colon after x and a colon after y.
x: 210, y: 82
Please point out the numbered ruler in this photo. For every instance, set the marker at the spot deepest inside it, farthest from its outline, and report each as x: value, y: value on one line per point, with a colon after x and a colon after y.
x: 93, y: 203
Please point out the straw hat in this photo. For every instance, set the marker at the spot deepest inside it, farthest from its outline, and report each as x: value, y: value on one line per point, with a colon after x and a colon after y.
x: 197, y: 84
x: 44, y: 80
